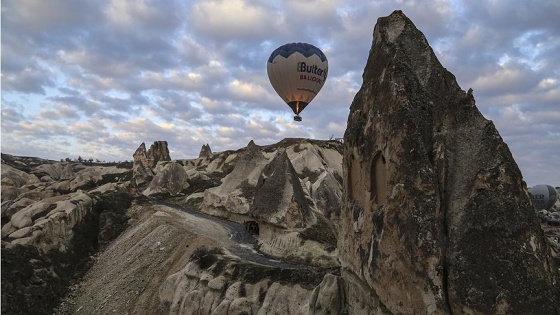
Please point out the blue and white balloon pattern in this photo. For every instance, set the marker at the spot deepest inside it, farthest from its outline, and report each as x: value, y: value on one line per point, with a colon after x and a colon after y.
x: 297, y: 72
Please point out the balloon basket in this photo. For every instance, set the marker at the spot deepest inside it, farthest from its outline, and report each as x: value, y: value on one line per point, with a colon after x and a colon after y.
x: 297, y: 118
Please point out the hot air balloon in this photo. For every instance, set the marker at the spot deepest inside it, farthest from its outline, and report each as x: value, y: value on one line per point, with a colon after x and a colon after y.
x: 297, y: 72
x: 543, y: 196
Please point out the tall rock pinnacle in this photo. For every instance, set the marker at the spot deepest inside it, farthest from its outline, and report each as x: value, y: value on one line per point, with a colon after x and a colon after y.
x: 436, y: 217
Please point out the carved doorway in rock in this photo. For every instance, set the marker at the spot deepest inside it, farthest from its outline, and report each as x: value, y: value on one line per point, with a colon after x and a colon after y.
x: 378, y: 180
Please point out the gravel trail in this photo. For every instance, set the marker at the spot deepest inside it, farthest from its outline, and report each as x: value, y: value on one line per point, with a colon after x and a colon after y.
x: 244, y: 243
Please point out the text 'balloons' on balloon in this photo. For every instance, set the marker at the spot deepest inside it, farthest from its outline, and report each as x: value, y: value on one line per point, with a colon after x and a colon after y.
x: 543, y: 196
x: 297, y: 72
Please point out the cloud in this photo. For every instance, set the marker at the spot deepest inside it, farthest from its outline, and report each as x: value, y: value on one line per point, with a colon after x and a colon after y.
x: 129, y: 15
x: 510, y: 78
x: 234, y: 19
x: 97, y: 78
x: 29, y: 80
x: 11, y: 115
x: 59, y: 112
x: 35, y: 17
x: 247, y: 91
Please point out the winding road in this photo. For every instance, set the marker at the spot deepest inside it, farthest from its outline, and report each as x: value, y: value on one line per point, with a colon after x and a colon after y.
x: 243, y: 242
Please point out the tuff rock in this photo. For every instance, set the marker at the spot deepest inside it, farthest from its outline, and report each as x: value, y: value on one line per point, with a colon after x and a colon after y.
x: 436, y: 217
x: 205, y: 151
x: 172, y: 180
x: 17, y: 178
x: 145, y: 160
x: 279, y: 198
x: 235, y: 194
x: 55, y: 172
x: 50, y: 227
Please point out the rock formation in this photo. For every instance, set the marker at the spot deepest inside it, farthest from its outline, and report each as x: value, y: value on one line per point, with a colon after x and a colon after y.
x: 279, y: 198
x: 212, y: 290
x: 235, y: 194
x: 172, y: 180
x: 158, y: 152
x: 55, y: 172
x: 436, y: 218
x: 146, y: 160
x: 205, y: 151
x: 53, y: 224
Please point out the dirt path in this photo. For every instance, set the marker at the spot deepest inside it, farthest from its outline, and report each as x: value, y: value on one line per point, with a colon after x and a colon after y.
x: 243, y: 243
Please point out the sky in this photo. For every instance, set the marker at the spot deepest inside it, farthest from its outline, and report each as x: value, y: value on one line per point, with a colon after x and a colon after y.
x: 96, y: 78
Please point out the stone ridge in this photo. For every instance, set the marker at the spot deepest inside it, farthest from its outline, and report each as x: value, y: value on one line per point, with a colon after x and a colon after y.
x: 436, y: 218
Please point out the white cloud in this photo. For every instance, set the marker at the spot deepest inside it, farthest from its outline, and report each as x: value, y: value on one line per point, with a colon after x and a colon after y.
x: 312, y: 11
x: 129, y: 16
x: 247, y: 91
x: 233, y: 19
x: 170, y: 79
x: 193, y: 72
x: 509, y: 78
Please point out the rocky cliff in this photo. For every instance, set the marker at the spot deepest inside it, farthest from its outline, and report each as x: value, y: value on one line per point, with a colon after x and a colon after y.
x: 54, y: 215
x: 436, y: 218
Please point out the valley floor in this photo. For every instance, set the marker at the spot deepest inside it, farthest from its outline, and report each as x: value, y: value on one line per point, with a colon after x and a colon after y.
x: 126, y: 276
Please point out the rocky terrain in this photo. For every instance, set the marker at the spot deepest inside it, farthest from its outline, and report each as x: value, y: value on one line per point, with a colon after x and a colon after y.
x: 133, y: 239
x: 422, y: 209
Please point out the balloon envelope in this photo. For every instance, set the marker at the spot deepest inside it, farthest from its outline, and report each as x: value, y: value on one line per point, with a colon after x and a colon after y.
x: 297, y: 72
x: 543, y: 196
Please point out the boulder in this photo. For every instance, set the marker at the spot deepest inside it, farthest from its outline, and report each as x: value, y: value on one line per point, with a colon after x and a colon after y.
x: 17, y: 178
x: 436, y: 217
x: 171, y: 180
x: 56, y: 171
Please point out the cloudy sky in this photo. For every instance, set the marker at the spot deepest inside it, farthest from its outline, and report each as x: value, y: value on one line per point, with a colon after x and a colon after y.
x: 96, y: 78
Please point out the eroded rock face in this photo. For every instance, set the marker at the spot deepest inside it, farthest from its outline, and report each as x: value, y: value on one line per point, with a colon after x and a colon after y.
x: 206, y: 286
x: 16, y: 178
x: 158, y: 152
x: 51, y: 226
x: 279, y: 198
x: 56, y: 171
x: 205, y: 151
x: 436, y: 217
x: 171, y: 180
x: 146, y: 160
x: 235, y: 194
